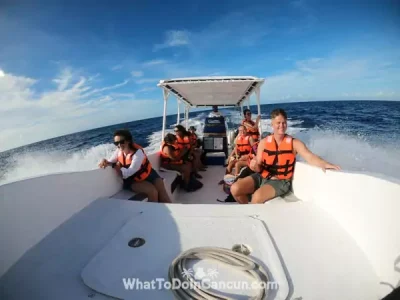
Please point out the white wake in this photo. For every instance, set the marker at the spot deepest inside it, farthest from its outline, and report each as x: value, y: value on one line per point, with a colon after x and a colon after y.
x: 352, y: 153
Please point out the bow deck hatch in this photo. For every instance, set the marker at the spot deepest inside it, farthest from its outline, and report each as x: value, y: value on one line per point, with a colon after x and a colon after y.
x: 144, y: 248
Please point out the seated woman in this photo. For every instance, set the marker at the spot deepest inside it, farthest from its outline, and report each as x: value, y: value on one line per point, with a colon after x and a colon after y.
x: 246, y: 163
x: 241, y: 150
x: 196, y: 144
x: 131, y: 163
x: 250, y: 125
x: 276, y: 157
x: 184, y: 141
x: 250, y: 168
x: 194, y: 140
x: 172, y: 158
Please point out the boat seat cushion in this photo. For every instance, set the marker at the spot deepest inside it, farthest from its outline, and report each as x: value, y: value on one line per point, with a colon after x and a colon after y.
x: 172, y: 178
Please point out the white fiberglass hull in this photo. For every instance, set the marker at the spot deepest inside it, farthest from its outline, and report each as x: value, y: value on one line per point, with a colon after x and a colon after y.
x: 338, y: 240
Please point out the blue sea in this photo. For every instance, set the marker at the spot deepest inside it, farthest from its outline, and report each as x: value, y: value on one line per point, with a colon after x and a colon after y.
x: 360, y: 136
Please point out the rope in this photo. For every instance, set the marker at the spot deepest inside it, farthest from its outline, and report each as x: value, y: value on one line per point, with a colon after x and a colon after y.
x: 227, y: 257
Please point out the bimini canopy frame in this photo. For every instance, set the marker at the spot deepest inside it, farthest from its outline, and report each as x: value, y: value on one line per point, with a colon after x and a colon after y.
x: 209, y: 91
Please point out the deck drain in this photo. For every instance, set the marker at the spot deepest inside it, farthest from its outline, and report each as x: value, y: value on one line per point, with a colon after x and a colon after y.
x: 136, y: 242
x: 241, y: 248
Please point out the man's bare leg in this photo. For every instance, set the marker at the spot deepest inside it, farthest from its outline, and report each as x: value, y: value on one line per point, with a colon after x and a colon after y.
x: 263, y: 194
x: 241, y: 188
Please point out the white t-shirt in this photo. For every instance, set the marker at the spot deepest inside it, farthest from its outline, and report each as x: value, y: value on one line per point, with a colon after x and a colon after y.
x: 214, y: 114
x: 135, y: 165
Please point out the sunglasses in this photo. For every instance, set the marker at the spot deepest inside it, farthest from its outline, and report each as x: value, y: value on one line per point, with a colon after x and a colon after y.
x: 119, y: 142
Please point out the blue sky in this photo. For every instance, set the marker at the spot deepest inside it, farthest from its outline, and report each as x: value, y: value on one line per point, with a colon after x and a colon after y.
x: 71, y: 66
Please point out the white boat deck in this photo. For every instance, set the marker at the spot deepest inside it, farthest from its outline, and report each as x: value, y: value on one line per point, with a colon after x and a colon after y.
x: 326, y: 260
x: 211, y: 190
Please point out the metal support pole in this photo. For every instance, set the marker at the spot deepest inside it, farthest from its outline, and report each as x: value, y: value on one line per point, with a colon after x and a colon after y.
x: 187, y: 117
x: 178, y: 119
x: 165, y: 94
x: 259, y: 109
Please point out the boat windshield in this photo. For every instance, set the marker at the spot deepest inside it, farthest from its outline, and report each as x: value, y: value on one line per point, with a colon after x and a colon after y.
x: 233, y: 118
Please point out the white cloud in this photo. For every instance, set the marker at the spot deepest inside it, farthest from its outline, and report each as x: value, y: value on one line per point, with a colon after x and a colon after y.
x: 137, y: 73
x: 336, y: 78
x: 14, y: 91
x: 174, y: 38
x: 123, y: 95
x: 74, y: 104
x: 2, y: 74
x: 147, y: 89
x: 154, y: 62
x: 147, y: 80
x: 107, y: 88
x: 116, y: 68
x: 244, y: 28
x: 65, y: 78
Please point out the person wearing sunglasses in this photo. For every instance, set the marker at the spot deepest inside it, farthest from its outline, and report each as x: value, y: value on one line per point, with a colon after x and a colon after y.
x: 250, y: 125
x: 131, y: 163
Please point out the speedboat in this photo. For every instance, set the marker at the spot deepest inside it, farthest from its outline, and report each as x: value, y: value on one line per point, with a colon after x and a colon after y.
x: 79, y: 235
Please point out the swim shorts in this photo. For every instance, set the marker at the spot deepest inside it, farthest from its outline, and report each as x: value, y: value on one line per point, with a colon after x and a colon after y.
x: 281, y: 187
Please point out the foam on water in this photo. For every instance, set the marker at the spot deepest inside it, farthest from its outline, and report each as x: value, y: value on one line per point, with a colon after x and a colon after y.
x: 352, y: 152
x: 33, y: 164
x: 292, y: 130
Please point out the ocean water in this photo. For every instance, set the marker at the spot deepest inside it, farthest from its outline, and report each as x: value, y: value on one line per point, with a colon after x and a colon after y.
x: 360, y: 136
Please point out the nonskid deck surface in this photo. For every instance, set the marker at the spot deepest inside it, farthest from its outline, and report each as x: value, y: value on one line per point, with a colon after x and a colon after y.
x: 211, y: 190
x: 322, y: 261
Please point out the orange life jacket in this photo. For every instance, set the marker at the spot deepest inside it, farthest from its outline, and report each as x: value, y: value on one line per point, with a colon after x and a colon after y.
x: 243, y: 145
x: 165, y: 159
x: 278, y: 161
x: 254, y: 133
x: 183, y: 142
x: 145, y: 167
